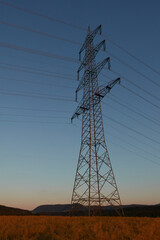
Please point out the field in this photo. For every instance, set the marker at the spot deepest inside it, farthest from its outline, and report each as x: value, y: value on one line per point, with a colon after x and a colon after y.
x: 78, y: 228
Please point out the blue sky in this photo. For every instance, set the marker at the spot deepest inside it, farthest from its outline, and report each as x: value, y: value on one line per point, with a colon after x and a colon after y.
x: 39, y: 147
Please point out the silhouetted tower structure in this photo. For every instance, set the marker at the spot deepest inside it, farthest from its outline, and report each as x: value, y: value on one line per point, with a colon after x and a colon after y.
x: 95, y: 184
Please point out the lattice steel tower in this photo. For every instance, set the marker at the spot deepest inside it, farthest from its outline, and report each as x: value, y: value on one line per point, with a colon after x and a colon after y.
x: 95, y: 184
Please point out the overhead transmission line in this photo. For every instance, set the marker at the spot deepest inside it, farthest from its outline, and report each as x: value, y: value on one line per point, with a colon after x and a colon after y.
x: 64, y: 58
x: 47, y: 54
x: 50, y: 18
x: 134, y: 84
x: 25, y: 92
x: 74, y: 42
x: 80, y: 28
x: 21, y: 70
x: 58, y: 76
x: 22, y: 115
x: 132, y: 109
x: 36, y: 96
x: 78, y: 43
x: 38, y: 70
x: 34, y: 109
x: 138, y: 140
x: 133, y: 92
x: 36, y: 82
x: 41, y: 15
x: 52, y: 98
x: 143, y: 98
x: 132, y: 68
x: 139, y: 155
x: 39, y: 32
x: 37, y: 52
x: 132, y: 145
x: 37, y: 73
x: 134, y: 119
x: 41, y: 122
x: 131, y: 55
x: 134, y: 151
x: 131, y: 129
x: 31, y: 116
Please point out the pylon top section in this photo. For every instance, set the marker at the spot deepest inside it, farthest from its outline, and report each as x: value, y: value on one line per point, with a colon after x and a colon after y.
x: 89, y: 38
x: 92, y: 72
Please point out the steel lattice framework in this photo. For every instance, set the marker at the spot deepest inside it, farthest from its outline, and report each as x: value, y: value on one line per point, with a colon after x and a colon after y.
x: 95, y: 184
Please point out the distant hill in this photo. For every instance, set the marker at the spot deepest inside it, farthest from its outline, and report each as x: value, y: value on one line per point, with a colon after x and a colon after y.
x: 143, y: 210
x: 57, y: 208
x: 134, y: 210
x: 13, y: 211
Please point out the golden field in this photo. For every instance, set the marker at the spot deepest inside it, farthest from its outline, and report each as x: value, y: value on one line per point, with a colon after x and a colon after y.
x: 78, y: 228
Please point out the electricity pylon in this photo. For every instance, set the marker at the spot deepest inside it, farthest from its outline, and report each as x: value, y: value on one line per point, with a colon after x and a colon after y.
x: 95, y: 184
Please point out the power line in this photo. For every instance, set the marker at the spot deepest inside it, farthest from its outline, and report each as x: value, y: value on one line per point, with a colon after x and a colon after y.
x: 141, y: 113
x: 28, y: 29
x: 21, y: 70
x: 131, y: 129
x: 57, y: 75
x: 39, y: 32
x: 141, y: 149
x: 131, y: 55
x: 37, y: 52
x: 134, y: 119
x: 32, y: 116
x: 33, y: 96
x: 40, y: 61
x: 41, y: 94
x: 37, y: 73
x: 134, y: 146
x: 78, y: 43
x: 43, y: 122
x: 38, y: 70
x: 34, y: 109
x: 139, y: 155
x: 132, y: 137
x: 80, y: 28
x: 68, y: 40
x: 64, y: 58
x: 134, y: 69
x: 135, y: 93
x: 35, y: 82
x: 132, y: 108
x: 134, y: 84
x: 42, y: 15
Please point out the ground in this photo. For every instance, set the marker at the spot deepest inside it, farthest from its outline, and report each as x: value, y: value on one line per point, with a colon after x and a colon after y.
x: 78, y: 228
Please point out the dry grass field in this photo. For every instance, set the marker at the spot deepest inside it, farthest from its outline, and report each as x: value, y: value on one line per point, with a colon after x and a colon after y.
x: 78, y: 228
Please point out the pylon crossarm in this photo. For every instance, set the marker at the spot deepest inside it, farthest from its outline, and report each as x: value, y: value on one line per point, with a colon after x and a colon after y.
x: 101, y: 65
x: 80, y: 109
x: 92, y: 54
x: 89, y: 39
x: 95, y: 71
x: 103, y: 91
x: 82, y: 82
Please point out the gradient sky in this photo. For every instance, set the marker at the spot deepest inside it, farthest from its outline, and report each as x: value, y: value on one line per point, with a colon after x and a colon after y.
x: 39, y: 147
